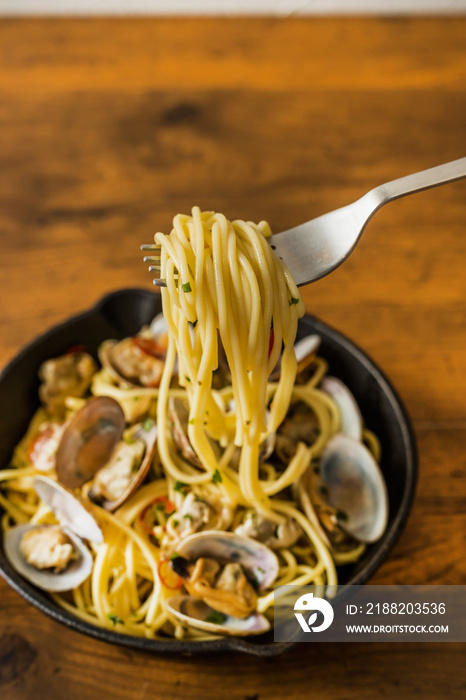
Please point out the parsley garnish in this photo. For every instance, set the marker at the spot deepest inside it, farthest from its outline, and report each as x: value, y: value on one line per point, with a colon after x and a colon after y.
x: 179, y: 486
x: 188, y: 516
x: 148, y: 423
x: 176, y: 523
x: 175, y: 555
x: 293, y: 301
x: 186, y: 287
x: 115, y: 619
x: 191, y: 421
x: 217, y: 477
x: 187, y: 378
x: 216, y: 618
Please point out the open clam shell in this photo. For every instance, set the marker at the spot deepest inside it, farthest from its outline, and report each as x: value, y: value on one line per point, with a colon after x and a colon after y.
x: 257, y: 560
x: 351, y: 419
x: 69, y: 510
x: 88, y: 440
x: 137, y: 362
x: 356, y: 488
x: 259, y: 564
x: 147, y: 433
x: 195, y: 613
x: 75, y: 573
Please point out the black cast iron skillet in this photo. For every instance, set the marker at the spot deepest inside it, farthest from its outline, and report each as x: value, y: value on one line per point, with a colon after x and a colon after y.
x: 121, y: 314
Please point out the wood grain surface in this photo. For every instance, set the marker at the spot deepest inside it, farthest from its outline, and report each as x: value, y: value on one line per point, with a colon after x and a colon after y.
x: 110, y: 127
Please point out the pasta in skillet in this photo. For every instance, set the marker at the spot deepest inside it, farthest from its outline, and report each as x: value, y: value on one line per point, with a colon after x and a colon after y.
x: 196, y: 455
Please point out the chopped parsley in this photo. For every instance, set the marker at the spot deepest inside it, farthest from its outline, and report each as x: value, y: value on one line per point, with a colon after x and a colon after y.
x: 179, y: 486
x: 191, y: 421
x: 294, y: 301
x: 186, y: 287
x: 217, y: 477
x: 188, y: 516
x: 187, y: 378
x: 148, y: 423
x: 175, y: 523
x: 175, y: 555
x: 216, y: 618
x: 115, y: 619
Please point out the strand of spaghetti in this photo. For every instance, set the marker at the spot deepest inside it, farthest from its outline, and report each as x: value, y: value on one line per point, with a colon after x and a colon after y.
x: 321, y: 550
x: 18, y: 516
x: 162, y: 441
x: 314, y: 397
x: 7, y: 474
x: 101, y: 606
x: 352, y: 555
x: 131, y: 575
x: 373, y: 444
x: 268, y: 600
x: 149, y: 555
x: 295, y: 469
x: 320, y: 372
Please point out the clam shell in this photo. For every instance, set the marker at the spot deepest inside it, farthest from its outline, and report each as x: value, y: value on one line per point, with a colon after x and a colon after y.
x: 193, y: 612
x: 76, y: 572
x: 356, y: 487
x: 88, y: 440
x: 256, y: 559
x: 105, y: 357
x: 69, y: 510
x: 351, y: 419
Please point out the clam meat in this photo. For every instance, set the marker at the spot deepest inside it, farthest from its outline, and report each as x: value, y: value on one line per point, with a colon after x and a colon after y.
x: 68, y: 375
x: 137, y: 361
x: 127, y: 467
x: 222, y: 573
x: 272, y: 535
x: 54, y: 557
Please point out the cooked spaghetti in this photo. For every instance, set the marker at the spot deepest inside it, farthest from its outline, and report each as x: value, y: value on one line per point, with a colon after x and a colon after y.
x: 241, y: 427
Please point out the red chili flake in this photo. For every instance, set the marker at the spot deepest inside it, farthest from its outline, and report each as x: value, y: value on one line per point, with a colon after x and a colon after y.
x: 149, y: 346
x: 169, y: 508
x: 168, y: 577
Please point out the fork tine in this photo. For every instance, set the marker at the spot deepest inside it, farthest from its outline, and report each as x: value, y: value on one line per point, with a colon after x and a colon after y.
x: 157, y: 268
x: 159, y: 283
x: 152, y: 258
x: 150, y: 246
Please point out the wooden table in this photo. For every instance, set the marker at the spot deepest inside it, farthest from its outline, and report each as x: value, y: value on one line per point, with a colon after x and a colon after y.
x: 107, y: 129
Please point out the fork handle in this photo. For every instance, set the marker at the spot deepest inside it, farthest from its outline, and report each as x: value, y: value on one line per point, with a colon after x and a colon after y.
x: 432, y: 177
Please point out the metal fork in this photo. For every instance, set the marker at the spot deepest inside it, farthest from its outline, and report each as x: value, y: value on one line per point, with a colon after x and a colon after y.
x: 315, y: 248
